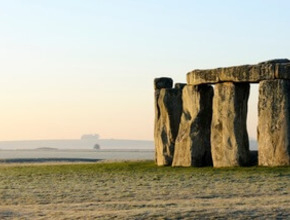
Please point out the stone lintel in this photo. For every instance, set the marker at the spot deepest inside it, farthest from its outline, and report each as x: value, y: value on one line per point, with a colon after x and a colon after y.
x: 197, y: 77
x: 273, y: 69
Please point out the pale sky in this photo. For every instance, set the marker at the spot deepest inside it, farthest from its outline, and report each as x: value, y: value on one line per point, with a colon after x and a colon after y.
x: 71, y: 67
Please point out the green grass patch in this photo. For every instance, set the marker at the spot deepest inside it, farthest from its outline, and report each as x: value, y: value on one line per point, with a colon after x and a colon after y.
x: 134, y: 167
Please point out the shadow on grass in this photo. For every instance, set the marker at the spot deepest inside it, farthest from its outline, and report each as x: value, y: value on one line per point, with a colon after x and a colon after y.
x: 45, y: 160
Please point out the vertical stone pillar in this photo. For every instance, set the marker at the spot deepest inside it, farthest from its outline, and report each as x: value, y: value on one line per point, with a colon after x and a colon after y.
x: 167, y: 118
x: 192, y: 145
x: 229, y: 137
x: 274, y: 123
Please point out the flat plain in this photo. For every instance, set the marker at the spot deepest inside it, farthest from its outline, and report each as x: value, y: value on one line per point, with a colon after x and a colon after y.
x: 141, y: 190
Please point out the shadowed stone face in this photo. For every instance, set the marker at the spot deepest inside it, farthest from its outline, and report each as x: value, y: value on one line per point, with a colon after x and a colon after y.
x: 179, y: 85
x: 192, y: 146
x: 229, y: 137
x: 160, y: 83
x: 282, y: 71
x: 163, y: 82
x: 274, y: 122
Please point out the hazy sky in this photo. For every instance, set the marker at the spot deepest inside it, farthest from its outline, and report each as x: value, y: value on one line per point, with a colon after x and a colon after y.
x: 70, y: 67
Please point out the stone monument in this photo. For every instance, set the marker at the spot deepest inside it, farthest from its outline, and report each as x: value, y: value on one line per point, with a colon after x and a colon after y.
x: 196, y: 125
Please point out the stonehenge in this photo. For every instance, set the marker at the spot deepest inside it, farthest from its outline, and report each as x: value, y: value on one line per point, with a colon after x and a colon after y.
x: 203, y: 122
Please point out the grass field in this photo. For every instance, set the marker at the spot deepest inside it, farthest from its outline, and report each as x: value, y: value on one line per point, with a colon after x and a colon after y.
x: 140, y: 190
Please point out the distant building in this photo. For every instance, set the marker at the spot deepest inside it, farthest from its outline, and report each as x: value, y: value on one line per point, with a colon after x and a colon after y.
x: 90, y: 137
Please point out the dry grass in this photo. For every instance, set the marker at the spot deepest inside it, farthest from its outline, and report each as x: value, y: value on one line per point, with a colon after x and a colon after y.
x: 140, y: 190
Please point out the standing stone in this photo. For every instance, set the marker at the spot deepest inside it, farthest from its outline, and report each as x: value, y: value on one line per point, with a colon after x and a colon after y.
x: 192, y: 146
x: 168, y: 108
x: 274, y: 123
x: 160, y: 83
x: 229, y: 137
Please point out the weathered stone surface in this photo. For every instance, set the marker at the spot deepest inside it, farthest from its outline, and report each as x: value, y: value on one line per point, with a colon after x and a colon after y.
x: 248, y: 73
x: 168, y: 108
x: 163, y: 82
x: 229, y: 137
x: 274, y: 123
x: 179, y: 85
x: 279, y: 68
x: 282, y: 68
x: 192, y: 146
